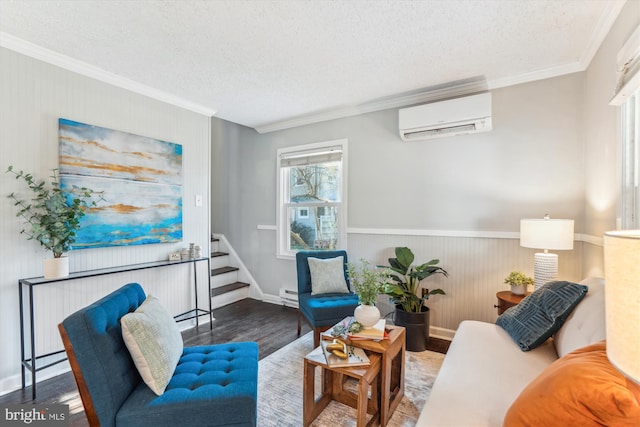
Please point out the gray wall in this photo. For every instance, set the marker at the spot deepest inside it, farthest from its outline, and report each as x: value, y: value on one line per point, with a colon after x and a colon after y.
x: 458, y: 199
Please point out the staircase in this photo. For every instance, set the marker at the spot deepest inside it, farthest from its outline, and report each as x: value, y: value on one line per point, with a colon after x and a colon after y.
x: 230, y: 280
x: 226, y: 286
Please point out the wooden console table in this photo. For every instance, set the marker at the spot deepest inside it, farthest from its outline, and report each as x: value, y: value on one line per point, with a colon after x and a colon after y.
x: 30, y: 362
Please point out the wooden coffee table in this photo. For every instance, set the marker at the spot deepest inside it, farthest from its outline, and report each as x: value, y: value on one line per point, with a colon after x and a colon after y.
x: 390, y: 377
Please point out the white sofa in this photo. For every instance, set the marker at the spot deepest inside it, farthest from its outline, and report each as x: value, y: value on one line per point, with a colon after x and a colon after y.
x: 484, y: 370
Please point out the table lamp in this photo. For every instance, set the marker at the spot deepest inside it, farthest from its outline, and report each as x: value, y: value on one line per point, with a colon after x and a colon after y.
x: 622, y: 300
x: 546, y: 233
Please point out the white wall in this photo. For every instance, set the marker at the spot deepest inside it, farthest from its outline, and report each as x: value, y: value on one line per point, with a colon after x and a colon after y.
x: 452, y: 198
x: 33, y: 95
x: 602, y: 138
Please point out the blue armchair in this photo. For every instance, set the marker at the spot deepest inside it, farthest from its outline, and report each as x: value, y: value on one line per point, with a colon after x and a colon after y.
x: 324, y: 310
x: 213, y: 385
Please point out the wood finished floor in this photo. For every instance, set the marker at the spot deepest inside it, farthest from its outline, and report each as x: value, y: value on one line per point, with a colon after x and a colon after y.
x: 270, y: 325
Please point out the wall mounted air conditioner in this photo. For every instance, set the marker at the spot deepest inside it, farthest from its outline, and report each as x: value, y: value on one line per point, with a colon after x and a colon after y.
x: 459, y: 116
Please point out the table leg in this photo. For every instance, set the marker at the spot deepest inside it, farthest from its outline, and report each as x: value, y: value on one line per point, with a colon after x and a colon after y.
x: 385, y: 380
x: 390, y: 392
x: 363, y: 388
x: 312, y: 406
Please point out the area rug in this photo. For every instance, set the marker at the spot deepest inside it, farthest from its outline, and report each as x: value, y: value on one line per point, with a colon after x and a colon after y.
x: 280, y: 389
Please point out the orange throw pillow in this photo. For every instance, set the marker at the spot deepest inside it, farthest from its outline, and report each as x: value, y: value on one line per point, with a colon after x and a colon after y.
x: 581, y: 389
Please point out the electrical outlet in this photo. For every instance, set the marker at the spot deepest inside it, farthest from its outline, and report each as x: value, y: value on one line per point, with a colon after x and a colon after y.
x: 425, y: 292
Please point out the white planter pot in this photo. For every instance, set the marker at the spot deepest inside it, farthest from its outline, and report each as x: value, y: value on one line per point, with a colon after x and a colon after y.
x: 55, y: 268
x: 366, y: 315
x: 518, y: 289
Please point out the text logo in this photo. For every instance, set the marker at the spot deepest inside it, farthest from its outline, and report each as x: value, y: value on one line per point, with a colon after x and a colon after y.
x: 40, y: 415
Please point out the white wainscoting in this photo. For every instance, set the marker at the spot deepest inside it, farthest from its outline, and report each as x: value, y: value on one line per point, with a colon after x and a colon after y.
x: 477, y: 263
x: 476, y: 267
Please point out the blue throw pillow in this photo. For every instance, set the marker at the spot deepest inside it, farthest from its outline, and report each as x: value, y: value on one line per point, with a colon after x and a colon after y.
x: 542, y: 313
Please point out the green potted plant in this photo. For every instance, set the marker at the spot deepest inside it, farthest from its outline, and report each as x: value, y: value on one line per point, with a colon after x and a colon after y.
x: 367, y: 283
x: 409, y: 297
x: 52, y: 216
x: 518, y: 282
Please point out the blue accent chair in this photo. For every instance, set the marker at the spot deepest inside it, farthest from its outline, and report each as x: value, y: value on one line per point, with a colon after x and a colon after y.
x: 213, y: 385
x: 324, y: 310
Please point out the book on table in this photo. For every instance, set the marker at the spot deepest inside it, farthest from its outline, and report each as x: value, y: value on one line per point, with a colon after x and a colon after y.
x: 355, y: 355
x: 375, y: 332
x: 341, y: 329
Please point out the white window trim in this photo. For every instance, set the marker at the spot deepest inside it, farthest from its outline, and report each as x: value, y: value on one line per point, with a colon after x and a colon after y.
x: 630, y: 193
x: 281, y: 210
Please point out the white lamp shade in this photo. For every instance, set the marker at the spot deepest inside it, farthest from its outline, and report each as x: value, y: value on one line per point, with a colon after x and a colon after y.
x: 622, y: 300
x: 555, y: 234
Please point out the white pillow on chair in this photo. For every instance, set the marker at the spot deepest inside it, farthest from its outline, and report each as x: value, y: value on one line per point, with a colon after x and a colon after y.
x: 327, y: 276
x: 154, y: 341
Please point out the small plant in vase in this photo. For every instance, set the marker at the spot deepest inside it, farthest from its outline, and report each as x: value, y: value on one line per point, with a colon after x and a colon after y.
x: 518, y: 282
x: 52, y: 216
x: 367, y: 283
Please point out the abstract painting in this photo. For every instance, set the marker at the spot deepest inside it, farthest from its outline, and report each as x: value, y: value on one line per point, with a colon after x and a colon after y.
x: 141, y: 181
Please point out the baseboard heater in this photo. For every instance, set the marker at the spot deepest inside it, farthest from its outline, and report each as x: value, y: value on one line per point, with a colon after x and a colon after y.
x: 289, y: 297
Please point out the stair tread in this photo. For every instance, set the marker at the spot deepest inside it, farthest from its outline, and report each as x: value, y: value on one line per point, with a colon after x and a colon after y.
x: 218, y: 254
x: 228, y: 288
x: 214, y: 239
x: 223, y: 270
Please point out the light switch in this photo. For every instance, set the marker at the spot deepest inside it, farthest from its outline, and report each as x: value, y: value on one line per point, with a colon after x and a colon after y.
x: 198, y: 200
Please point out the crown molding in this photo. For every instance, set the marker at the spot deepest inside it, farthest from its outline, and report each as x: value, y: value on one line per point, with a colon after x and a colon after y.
x: 425, y: 96
x: 34, y: 51
x: 602, y: 28
x: 545, y: 73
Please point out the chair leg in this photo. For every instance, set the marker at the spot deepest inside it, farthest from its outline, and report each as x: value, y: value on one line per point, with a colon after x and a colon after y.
x: 316, y: 337
x: 299, y: 322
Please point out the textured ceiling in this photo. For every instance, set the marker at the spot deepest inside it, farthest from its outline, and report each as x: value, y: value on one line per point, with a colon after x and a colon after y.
x: 270, y: 64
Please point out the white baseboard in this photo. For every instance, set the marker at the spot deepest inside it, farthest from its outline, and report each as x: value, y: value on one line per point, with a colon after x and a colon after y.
x: 434, y: 331
x: 442, y: 333
x: 272, y: 299
x: 14, y: 382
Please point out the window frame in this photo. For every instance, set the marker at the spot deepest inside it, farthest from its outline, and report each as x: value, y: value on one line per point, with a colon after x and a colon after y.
x: 630, y: 191
x: 282, y: 224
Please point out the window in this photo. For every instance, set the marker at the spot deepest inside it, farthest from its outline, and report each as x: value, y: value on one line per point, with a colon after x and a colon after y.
x: 631, y: 162
x: 312, y: 197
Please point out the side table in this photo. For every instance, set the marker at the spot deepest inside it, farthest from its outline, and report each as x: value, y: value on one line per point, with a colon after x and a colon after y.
x: 507, y: 299
x: 392, y: 368
x: 332, y: 388
x: 390, y: 353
